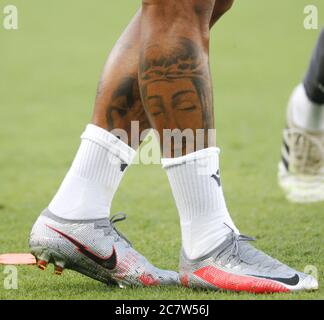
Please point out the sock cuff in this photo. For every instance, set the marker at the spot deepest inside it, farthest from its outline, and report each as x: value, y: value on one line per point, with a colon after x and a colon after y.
x: 201, y: 154
x: 109, y: 142
x: 303, y: 113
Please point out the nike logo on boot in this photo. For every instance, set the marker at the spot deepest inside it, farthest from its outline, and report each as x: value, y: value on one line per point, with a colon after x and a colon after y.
x: 293, y: 281
x: 109, y: 263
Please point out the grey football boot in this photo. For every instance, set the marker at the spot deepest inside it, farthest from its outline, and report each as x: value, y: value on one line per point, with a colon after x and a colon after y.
x: 237, y: 266
x: 94, y: 248
x: 301, y: 169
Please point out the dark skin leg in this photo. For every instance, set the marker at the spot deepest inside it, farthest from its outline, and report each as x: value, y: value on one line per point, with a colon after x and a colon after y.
x: 118, y: 100
x: 174, y: 72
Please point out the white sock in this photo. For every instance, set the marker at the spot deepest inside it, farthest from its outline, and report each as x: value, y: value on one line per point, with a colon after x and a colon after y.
x: 89, y: 187
x: 196, y: 187
x: 305, y: 113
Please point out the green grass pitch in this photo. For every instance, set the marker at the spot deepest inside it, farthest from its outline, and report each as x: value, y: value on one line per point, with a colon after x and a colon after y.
x: 49, y: 69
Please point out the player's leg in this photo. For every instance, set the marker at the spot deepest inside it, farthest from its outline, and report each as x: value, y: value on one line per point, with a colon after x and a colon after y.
x: 172, y: 101
x: 301, y: 171
x: 176, y: 88
x: 94, y: 177
x: 314, y: 80
x: 74, y: 231
x: 118, y: 104
x: 118, y: 100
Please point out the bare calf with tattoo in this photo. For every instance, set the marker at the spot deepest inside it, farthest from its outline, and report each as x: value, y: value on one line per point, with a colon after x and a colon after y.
x: 158, y: 75
x: 118, y: 100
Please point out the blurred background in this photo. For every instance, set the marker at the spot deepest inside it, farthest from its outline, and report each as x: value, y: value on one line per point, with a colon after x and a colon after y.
x: 49, y: 69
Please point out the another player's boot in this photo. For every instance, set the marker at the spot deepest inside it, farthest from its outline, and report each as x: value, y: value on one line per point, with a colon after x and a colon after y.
x: 237, y: 266
x: 94, y: 248
x: 301, y: 169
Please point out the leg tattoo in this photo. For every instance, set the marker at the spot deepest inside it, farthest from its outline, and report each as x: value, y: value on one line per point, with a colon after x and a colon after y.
x: 175, y: 87
x: 118, y: 100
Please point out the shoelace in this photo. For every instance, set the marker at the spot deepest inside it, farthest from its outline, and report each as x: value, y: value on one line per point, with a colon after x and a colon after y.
x: 237, y: 238
x: 117, y: 218
x: 309, y: 141
x: 234, y: 251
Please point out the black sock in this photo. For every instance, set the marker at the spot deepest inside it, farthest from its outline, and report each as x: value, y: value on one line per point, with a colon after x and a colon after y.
x: 314, y: 79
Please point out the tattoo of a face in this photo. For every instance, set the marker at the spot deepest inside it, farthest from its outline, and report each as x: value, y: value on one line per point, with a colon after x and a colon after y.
x: 126, y: 106
x: 176, y: 87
